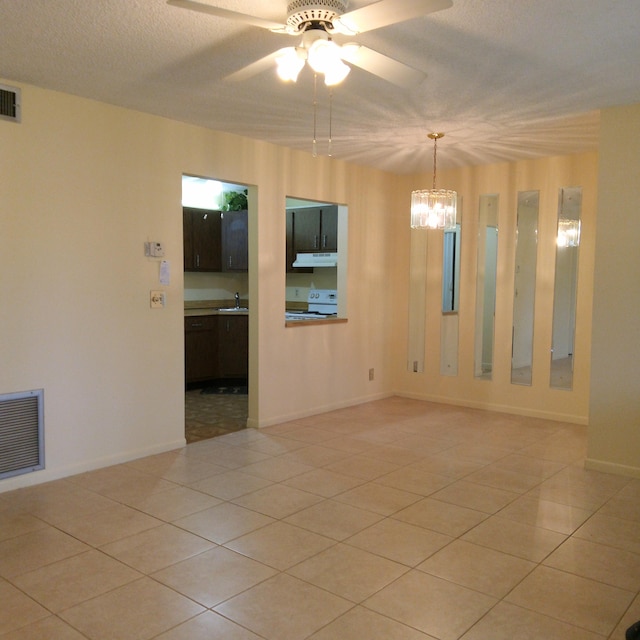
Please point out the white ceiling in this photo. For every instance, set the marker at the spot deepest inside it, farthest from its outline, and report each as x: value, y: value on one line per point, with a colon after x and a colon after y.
x: 505, y: 79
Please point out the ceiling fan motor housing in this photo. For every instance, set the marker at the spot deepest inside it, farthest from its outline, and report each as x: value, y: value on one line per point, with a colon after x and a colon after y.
x: 301, y: 13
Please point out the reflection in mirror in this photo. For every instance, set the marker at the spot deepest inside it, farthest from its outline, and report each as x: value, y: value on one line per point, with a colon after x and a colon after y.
x: 417, y: 300
x: 450, y: 301
x: 565, y: 287
x: 486, y: 285
x: 525, y: 285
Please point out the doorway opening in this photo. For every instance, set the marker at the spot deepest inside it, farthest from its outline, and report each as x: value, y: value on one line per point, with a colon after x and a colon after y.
x: 216, y: 306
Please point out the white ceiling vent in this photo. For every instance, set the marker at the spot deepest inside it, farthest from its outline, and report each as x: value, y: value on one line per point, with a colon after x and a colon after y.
x: 9, y: 103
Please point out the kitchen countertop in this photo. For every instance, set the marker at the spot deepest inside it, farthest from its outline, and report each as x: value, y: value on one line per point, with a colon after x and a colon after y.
x: 212, y: 308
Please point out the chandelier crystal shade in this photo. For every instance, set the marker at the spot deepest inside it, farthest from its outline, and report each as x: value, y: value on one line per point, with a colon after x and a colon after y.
x: 434, y: 208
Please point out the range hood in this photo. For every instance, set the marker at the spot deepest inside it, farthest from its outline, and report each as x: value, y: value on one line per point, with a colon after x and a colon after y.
x: 316, y: 260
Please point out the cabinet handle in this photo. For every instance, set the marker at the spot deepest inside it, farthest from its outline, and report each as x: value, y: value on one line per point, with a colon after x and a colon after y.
x: 229, y: 261
x: 316, y: 243
x: 196, y: 324
x: 197, y: 259
x: 324, y: 241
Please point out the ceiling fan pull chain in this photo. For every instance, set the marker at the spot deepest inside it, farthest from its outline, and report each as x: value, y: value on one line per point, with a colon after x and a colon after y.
x: 315, y: 115
x: 330, y: 143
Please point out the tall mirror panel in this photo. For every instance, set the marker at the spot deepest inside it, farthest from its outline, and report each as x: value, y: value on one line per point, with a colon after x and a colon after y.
x: 450, y: 301
x: 417, y: 301
x: 565, y: 287
x: 525, y: 286
x: 486, y: 285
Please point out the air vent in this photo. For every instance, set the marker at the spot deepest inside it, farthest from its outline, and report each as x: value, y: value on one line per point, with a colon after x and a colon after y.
x: 9, y: 103
x: 21, y: 433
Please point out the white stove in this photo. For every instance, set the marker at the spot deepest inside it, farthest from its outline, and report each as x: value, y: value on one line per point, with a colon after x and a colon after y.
x: 321, y: 303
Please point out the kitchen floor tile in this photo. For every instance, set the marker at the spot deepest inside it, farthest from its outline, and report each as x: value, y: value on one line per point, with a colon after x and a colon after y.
x: 223, y: 522
x: 284, y: 607
x: 233, y: 573
x: 156, y: 548
x: 360, y: 623
x: 394, y: 519
x: 399, y: 541
x: 85, y: 576
x: 49, y: 628
x: 434, y: 606
x: 351, y: 573
x: 208, y: 626
x: 507, y: 622
x: 175, y: 503
x: 475, y: 496
x: 17, y: 609
x: 109, y: 525
x: 230, y: 484
x: 277, y: 500
x: 545, y: 514
x: 575, y: 600
x: 37, y: 549
x: 485, y: 570
x: 280, y: 545
x: 600, y: 562
x: 323, y: 482
x: 140, y: 609
x: 522, y: 540
x: 378, y: 498
x: 333, y: 519
x: 450, y: 519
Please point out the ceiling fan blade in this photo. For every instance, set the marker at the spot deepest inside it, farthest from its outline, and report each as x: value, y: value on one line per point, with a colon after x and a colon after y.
x: 253, y: 69
x: 254, y: 21
x: 386, y: 12
x: 382, y: 66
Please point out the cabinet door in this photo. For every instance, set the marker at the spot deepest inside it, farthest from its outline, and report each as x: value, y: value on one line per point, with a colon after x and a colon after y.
x: 201, y: 348
x: 202, y: 240
x: 235, y: 241
x: 233, y: 344
x: 329, y: 229
x: 306, y: 230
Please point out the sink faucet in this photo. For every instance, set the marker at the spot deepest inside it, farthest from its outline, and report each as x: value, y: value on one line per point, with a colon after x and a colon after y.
x: 237, y: 300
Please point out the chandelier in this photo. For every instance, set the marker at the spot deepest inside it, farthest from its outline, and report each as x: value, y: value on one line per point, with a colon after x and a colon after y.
x: 433, y: 208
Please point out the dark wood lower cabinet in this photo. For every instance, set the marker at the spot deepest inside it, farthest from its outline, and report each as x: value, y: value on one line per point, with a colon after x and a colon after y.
x: 201, y: 348
x: 216, y: 347
x: 233, y: 346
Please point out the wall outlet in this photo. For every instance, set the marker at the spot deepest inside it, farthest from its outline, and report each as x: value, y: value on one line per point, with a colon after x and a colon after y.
x: 371, y: 374
x: 157, y: 299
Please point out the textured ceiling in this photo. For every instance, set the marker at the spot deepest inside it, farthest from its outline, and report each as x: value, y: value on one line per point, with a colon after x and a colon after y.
x: 505, y: 79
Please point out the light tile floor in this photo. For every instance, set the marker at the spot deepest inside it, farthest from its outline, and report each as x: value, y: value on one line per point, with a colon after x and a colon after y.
x: 394, y: 520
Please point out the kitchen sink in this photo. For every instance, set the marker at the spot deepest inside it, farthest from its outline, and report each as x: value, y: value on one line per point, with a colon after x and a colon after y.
x: 225, y: 309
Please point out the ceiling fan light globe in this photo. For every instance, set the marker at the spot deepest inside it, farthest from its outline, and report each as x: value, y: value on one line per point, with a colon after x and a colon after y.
x: 336, y: 74
x: 323, y: 54
x: 289, y: 64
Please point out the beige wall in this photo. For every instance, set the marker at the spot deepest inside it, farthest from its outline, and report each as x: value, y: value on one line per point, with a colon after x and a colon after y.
x: 84, y: 185
x: 614, y: 428
x: 547, y: 175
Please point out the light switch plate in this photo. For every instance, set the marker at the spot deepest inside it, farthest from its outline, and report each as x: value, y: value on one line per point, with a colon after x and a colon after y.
x: 153, y: 249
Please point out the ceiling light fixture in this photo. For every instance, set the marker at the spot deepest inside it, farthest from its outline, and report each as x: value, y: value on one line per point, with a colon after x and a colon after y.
x: 322, y: 54
x: 433, y: 208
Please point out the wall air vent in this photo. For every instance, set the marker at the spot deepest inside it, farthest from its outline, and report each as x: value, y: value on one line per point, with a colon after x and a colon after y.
x: 21, y: 433
x: 9, y: 103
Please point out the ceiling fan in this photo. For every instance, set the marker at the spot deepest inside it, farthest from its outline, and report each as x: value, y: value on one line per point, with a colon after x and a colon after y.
x: 316, y: 23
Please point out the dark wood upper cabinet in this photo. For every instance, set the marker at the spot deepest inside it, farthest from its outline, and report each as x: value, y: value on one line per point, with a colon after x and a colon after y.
x: 311, y: 230
x: 215, y: 240
x: 235, y: 241
x: 202, y: 239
